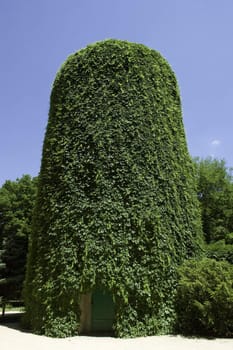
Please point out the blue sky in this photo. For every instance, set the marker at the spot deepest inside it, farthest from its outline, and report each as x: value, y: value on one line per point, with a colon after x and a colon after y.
x: 36, y: 36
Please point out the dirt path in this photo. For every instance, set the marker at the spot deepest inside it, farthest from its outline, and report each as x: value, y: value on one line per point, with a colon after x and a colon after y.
x: 14, y: 339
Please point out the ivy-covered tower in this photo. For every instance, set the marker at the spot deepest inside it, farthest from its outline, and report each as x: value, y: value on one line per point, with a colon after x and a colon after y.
x: 116, y: 208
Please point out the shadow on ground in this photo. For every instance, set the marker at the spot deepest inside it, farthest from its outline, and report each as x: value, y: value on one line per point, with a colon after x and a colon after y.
x: 13, y: 320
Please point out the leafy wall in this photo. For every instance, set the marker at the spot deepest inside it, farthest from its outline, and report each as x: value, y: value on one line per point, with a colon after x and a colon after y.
x: 116, y: 207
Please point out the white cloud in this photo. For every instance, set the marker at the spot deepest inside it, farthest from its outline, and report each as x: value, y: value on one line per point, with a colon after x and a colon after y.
x: 215, y: 143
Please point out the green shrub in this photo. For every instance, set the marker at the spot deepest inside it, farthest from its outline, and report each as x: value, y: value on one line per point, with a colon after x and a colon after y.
x: 221, y: 250
x: 229, y: 238
x: 116, y: 207
x: 204, y: 302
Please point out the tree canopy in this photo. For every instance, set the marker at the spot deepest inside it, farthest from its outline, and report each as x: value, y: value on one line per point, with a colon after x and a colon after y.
x: 17, y: 200
x: 215, y: 193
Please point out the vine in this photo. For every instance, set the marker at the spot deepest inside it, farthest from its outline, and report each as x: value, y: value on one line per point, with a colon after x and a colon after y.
x: 116, y: 205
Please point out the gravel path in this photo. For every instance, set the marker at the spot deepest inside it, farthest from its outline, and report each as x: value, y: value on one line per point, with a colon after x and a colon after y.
x: 14, y: 339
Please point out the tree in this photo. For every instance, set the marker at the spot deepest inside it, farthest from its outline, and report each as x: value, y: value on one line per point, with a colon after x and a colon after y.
x: 2, y: 267
x: 16, y: 206
x: 215, y: 192
x: 116, y: 207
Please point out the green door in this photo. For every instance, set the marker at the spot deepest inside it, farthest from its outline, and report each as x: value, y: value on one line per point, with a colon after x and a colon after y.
x: 103, y: 312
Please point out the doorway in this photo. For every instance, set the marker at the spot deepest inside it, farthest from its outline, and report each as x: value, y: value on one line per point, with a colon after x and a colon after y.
x: 102, y: 312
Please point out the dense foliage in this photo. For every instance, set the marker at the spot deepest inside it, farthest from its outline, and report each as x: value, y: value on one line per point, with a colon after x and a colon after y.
x: 215, y: 192
x: 116, y: 206
x: 17, y: 200
x: 204, y: 302
x: 221, y: 249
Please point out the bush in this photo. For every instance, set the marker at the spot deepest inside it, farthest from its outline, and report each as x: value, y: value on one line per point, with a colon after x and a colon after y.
x: 204, y: 302
x: 229, y: 238
x: 221, y: 250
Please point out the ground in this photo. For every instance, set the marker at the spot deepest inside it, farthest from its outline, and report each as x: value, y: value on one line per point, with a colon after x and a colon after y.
x: 11, y: 338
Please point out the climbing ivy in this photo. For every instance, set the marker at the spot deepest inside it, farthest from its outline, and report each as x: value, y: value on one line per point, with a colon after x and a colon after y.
x: 116, y: 206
